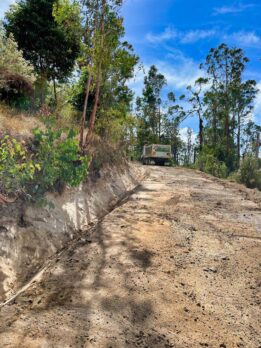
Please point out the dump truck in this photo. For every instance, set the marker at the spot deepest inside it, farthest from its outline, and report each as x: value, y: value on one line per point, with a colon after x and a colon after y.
x: 159, y: 154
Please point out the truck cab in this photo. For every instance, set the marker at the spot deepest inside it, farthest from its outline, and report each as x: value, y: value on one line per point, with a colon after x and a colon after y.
x: 157, y: 153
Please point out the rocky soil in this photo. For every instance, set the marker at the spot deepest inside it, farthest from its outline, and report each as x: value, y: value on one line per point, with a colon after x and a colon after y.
x: 177, y: 264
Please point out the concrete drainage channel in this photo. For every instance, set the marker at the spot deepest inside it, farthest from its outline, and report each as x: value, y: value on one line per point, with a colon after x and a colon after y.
x: 46, y: 234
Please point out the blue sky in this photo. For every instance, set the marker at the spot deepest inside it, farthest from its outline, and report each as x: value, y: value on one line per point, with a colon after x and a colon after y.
x: 176, y: 36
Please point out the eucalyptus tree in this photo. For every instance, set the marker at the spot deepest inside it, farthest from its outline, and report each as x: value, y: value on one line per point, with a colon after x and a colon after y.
x: 244, y: 95
x: 107, y: 61
x: 149, y: 105
x: 251, y: 139
x: 224, y: 68
x: 196, y: 101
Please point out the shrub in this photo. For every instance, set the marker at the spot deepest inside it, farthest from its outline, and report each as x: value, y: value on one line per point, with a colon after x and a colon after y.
x: 249, y: 173
x: 17, y: 169
x: 16, y: 74
x: 210, y: 164
x: 57, y: 154
x: 54, y: 161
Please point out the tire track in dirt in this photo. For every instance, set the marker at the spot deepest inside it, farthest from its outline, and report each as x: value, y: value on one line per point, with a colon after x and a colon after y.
x: 163, y: 269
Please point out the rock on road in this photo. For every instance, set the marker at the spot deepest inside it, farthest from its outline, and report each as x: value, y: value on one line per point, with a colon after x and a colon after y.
x: 176, y: 265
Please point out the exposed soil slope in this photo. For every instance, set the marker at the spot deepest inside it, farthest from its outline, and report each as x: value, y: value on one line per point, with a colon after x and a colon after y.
x: 176, y: 265
x: 30, y: 235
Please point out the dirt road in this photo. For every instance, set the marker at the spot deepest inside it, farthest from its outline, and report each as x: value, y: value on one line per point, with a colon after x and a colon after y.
x: 176, y: 265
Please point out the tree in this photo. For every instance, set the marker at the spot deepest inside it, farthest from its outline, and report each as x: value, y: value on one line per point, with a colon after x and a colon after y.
x: 224, y: 67
x: 196, y: 101
x: 172, y: 119
x: 16, y: 74
x: 189, y: 148
x: 149, y: 106
x: 244, y: 95
x: 107, y: 63
x: 251, y: 139
x: 45, y: 31
x: 99, y: 31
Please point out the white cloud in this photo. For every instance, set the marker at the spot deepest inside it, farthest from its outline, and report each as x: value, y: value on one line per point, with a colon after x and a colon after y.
x: 244, y: 38
x: 181, y: 36
x: 196, y: 35
x: 232, y: 9
x: 179, y: 70
x: 167, y: 34
x: 183, y: 132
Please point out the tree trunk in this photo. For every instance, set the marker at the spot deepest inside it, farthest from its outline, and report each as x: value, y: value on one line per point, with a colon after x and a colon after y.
x: 201, y: 129
x: 195, y: 155
x: 257, y: 145
x: 214, y: 126
x: 54, y: 91
x: 227, y: 132
x: 227, y: 108
x: 83, y: 119
x: 238, y: 139
x: 98, y: 80
x: 94, y: 110
x: 159, y: 127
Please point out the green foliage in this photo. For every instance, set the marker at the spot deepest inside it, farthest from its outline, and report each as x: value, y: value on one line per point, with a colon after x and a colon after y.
x: 47, y: 36
x: 227, y: 102
x: 77, y: 94
x: 149, y: 107
x: 251, y: 140
x: 208, y: 163
x: 58, y: 156
x: 158, y: 119
x: 54, y: 162
x: 106, y: 52
x: 16, y: 74
x: 250, y: 173
x: 17, y: 169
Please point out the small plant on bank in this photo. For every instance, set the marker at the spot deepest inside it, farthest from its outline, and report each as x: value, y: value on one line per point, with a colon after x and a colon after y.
x: 17, y: 168
x: 249, y: 173
x: 208, y: 163
x: 52, y: 163
x: 57, y: 153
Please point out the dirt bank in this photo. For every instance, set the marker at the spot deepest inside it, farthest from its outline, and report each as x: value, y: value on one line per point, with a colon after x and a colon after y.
x: 177, y: 265
x: 30, y: 235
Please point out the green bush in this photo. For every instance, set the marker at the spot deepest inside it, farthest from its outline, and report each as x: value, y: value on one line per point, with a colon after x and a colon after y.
x: 249, y: 173
x: 54, y: 161
x: 208, y: 163
x: 17, y: 169
x: 58, y: 156
x: 16, y: 74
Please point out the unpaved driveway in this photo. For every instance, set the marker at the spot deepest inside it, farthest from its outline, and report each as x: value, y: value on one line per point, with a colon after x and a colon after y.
x: 176, y: 265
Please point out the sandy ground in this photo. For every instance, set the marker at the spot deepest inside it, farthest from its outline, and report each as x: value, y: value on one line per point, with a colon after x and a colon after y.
x: 175, y: 265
